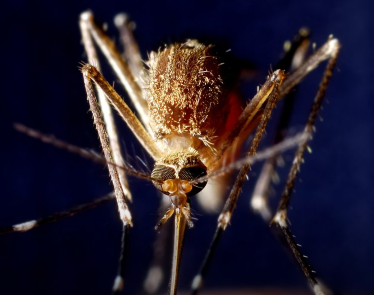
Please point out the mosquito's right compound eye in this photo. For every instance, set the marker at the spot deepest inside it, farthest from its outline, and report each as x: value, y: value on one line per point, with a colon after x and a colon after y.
x: 193, y: 173
x: 162, y: 173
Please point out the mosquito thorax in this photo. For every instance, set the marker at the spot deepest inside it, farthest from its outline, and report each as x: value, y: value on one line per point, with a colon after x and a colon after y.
x: 185, y: 91
x: 175, y: 172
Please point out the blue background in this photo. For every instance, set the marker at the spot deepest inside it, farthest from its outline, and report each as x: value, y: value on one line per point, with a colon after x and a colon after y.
x: 333, y: 207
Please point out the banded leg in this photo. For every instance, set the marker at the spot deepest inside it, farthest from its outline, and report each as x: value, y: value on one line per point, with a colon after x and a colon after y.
x: 280, y: 217
x: 228, y: 209
x: 126, y: 75
x: 114, y: 146
x: 124, y: 211
x: 90, y: 72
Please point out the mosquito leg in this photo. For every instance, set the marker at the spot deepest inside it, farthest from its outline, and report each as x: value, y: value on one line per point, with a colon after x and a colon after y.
x: 50, y: 139
x: 327, y: 51
x: 295, y: 51
x: 106, y: 110
x: 124, y: 211
x: 118, y: 64
x: 293, y: 58
x: 225, y: 216
x: 28, y: 225
x: 90, y: 72
x: 259, y: 199
x: 280, y: 217
x: 228, y: 209
x: 118, y: 282
x: 197, y: 282
x: 309, y: 128
x: 250, y: 114
x: 131, y: 49
x: 125, y: 214
x: 253, y: 109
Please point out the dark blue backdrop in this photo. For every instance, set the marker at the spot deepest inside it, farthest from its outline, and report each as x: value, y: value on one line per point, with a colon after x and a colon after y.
x: 332, y: 214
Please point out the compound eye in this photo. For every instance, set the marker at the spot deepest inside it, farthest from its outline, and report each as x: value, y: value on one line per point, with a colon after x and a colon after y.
x: 192, y: 173
x: 162, y: 173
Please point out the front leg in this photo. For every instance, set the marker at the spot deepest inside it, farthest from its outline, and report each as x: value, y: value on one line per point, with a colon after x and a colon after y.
x: 91, y: 73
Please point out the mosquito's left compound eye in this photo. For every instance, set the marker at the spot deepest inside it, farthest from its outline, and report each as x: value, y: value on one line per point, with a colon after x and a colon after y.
x: 162, y: 173
x: 192, y: 173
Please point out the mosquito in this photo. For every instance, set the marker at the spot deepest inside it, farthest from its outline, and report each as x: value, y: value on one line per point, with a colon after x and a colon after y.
x: 193, y: 125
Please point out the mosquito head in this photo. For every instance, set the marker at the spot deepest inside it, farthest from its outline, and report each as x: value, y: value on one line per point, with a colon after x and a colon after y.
x: 176, y: 171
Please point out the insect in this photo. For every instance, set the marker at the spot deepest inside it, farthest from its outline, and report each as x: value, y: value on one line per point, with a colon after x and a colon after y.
x: 196, y: 144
